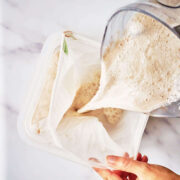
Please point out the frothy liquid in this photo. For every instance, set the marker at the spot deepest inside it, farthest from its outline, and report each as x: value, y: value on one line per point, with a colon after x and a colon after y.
x: 140, y: 71
x: 85, y: 93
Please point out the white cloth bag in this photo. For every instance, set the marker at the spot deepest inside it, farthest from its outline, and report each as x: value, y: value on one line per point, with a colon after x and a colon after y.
x: 78, y: 138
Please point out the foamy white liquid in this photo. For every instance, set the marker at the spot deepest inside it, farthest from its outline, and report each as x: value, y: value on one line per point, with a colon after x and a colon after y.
x: 140, y: 71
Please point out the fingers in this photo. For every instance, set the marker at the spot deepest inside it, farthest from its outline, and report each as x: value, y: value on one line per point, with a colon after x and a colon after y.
x: 126, y: 167
x: 126, y: 164
x: 144, y: 159
x: 141, y: 158
x: 121, y: 174
x: 106, y: 174
x: 126, y: 155
x: 132, y: 176
x: 93, y: 159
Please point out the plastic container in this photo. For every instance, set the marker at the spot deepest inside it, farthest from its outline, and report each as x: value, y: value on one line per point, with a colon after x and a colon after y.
x: 65, y: 64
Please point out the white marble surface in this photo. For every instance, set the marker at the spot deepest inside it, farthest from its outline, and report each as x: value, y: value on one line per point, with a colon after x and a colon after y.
x: 24, y: 26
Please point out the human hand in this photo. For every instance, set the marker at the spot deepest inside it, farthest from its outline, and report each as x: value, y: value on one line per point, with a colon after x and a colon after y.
x: 118, y: 174
x: 130, y: 169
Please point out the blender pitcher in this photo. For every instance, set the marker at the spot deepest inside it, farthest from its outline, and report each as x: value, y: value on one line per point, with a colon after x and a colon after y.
x: 167, y: 12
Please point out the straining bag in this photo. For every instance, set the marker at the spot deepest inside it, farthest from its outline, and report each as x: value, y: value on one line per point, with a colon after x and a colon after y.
x: 66, y: 79
x: 95, y: 134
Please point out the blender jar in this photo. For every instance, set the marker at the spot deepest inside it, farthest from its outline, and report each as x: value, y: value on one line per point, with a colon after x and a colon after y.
x: 166, y: 12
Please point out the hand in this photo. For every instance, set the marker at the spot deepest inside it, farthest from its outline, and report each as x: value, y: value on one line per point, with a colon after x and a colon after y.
x: 135, y: 169
x: 118, y: 174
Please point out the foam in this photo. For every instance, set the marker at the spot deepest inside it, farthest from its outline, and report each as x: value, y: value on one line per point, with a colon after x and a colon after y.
x: 84, y: 94
x: 140, y: 71
x: 113, y: 115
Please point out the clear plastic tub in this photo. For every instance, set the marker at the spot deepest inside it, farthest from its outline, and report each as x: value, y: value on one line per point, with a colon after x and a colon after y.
x: 64, y: 66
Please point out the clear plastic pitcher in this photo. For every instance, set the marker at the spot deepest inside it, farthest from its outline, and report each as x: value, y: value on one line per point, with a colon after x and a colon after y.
x: 166, y: 12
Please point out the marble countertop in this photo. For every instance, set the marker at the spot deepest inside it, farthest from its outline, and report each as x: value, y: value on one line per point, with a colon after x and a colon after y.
x: 24, y: 26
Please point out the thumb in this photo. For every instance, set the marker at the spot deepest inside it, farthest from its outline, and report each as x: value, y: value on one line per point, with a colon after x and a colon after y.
x: 127, y: 165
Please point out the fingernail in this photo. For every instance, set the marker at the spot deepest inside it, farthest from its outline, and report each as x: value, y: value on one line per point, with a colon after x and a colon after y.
x: 96, y: 169
x: 126, y: 155
x: 145, y: 159
x: 111, y: 159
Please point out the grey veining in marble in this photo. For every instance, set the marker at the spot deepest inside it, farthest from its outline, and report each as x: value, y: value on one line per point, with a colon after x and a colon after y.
x: 25, y: 24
